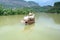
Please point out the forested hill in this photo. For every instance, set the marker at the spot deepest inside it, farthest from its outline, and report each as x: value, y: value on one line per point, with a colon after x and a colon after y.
x: 30, y: 5
x: 55, y: 8
x: 18, y: 3
x: 14, y: 7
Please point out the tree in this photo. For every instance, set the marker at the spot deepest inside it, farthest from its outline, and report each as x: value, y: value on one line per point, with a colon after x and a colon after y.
x: 1, y: 10
x: 55, y: 8
x: 57, y: 4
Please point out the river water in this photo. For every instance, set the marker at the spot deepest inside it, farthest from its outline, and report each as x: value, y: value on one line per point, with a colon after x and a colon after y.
x: 46, y: 27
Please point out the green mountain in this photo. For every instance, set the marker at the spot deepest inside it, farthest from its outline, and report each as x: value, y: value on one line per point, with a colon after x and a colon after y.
x: 17, y: 3
x: 24, y: 5
x: 55, y: 8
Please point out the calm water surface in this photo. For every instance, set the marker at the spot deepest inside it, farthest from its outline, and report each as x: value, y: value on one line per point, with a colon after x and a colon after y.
x: 46, y: 27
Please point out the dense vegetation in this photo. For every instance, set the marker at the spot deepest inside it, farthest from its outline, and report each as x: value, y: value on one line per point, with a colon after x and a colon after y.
x: 15, y: 11
x: 55, y: 8
x: 18, y: 11
x: 16, y: 7
x: 26, y: 10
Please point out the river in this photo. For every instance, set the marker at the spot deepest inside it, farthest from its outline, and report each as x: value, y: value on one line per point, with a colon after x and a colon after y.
x: 46, y: 27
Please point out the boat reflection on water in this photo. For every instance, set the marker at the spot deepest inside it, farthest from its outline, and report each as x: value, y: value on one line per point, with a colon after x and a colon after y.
x: 29, y: 27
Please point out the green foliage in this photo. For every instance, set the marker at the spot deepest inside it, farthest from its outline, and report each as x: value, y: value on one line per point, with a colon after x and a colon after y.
x: 55, y: 8
x: 57, y: 4
x: 16, y: 11
x: 1, y: 10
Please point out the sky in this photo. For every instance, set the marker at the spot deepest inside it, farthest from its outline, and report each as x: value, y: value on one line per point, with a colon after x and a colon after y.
x: 45, y: 2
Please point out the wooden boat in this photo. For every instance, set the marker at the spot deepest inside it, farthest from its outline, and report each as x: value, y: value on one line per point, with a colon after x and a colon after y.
x: 30, y: 21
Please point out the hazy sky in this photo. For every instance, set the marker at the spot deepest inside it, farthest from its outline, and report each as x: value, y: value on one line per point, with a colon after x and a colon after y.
x: 45, y: 2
